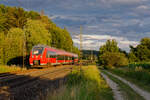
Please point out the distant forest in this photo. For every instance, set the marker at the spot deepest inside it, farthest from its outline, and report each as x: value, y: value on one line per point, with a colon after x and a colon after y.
x: 20, y: 29
x: 90, y: 54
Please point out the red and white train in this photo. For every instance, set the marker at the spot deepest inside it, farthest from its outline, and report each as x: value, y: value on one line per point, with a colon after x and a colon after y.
x: 45, y: 55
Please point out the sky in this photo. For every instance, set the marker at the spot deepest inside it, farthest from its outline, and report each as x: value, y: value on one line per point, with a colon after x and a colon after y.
x: 127, y: 21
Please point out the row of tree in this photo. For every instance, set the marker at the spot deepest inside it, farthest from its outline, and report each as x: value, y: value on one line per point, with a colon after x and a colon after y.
x: 110, y: 55
x: 140, y: 53
x: 20, y: 29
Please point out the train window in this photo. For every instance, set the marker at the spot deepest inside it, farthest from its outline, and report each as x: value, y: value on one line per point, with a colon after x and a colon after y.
x: 37, y: 50
x: 51, y: 54
x: 47, y: 56
x: 76, y: 57
x: 66, y: 57
x: 60, y: 57
x: 69, y: 58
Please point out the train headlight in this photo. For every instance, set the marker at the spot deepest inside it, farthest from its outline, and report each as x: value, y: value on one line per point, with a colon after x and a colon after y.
x: 32, y: 56
x: 40, y: 56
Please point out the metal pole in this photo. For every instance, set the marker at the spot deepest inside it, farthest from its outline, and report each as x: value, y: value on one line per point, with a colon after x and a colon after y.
x: 80, y: 47
x: 23, y: 55
x: 24, y: 48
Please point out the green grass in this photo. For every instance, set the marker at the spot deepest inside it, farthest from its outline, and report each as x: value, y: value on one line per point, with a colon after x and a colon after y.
x: 140, y: 77
x: 128, y: 93
x: 145, y: 65
x: 86, y: 84
x: 4, y: 68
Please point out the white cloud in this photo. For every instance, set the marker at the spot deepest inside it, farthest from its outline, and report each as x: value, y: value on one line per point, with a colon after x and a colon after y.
x: 109, y: 3
x: 102, y: 37
x: 127, y: 42
x: 53, y: 17
x: 95, y: 41
x: 125, y: 1
x: 92, y: 26
x: 143, y: 7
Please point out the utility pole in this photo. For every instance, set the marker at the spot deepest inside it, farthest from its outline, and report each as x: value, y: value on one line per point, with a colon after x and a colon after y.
x: 91, y: 54
x: 81, y: 46
x: 24, y: 49
x: 42, y: 12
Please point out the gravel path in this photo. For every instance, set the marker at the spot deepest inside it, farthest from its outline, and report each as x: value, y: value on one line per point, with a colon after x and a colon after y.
x: 114, y: 87
x: 144, y: 94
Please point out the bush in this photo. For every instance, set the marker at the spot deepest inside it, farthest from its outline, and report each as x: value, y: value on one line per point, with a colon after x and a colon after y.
x: 4, y: 69
x: 113, y: 59
x: 145, y: 65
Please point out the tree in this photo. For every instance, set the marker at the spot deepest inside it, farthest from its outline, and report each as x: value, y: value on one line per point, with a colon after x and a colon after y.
x: 1, y: 48
x: 3, y: 24
x: 146, y: 42
x: 111, y: 56
x: 13, y: 45
x: 16, y: 17
x: 15, y: 22
x: 110, y: 46
x: 141, y: 52
x: 33, y: 15
x: 36, y: 33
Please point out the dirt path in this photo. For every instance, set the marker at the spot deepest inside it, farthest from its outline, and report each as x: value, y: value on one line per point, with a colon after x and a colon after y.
x: 114, y: 87
x: 144, y: 94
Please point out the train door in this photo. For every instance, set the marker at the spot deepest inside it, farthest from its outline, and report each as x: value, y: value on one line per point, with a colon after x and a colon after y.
x: 48, y: 58
x: 73, y: 60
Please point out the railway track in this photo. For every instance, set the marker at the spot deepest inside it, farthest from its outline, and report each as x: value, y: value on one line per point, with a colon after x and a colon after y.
x: 5, y: 74
x: 13, y: 80
x: 13, y: 83
x: 18, y: 72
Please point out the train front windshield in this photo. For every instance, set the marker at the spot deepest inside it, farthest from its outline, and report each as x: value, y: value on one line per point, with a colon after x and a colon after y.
x: 37, y: 50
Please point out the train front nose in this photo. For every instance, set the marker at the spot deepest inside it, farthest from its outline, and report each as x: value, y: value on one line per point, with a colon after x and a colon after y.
x: 36, y: 55
x: 36, y: 62
x: 36, y: 59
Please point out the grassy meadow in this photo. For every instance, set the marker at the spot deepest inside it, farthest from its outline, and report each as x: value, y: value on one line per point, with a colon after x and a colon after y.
x: 138, y: 73
x: 4, y: 68
x: 84, y: 84
x: 128, y: 92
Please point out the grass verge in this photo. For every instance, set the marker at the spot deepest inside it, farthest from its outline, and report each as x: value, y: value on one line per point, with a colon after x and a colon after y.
x: 86, y: 84
x: 4, y: 68
x: 128, y: 93
x: 145, y: 65
x: 139, y: 77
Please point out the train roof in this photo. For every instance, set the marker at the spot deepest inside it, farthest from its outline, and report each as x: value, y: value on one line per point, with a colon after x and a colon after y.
x: 58, y: 51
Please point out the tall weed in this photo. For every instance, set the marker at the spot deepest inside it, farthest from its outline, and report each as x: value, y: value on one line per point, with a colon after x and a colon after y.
x: 4, y: 68
x: 84, y: 84
x: 142, y: 76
